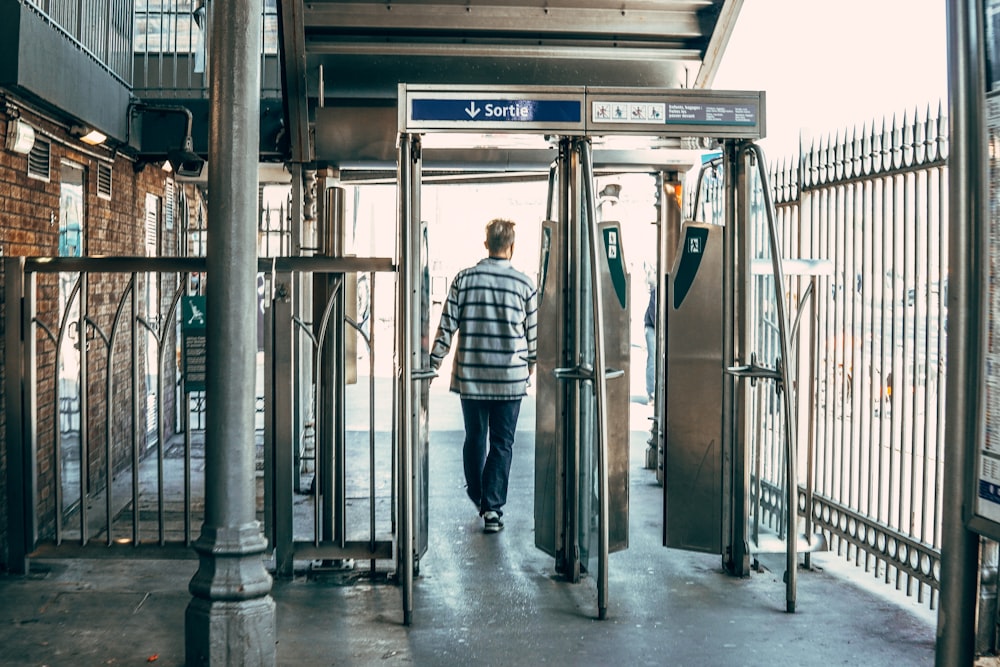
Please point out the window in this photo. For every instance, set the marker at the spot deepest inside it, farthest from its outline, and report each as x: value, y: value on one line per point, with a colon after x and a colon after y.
x: 177, y: 26
x: 168, y: 204
x: 163, y: 26
x: 72, y: 214
x: 152, y: 308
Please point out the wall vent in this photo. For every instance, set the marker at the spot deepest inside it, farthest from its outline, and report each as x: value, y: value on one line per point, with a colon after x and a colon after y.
x: 103, y: 180
x: 38, y: 160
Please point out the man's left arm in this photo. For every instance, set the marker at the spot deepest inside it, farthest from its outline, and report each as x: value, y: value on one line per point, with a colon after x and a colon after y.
x: 446, y: 328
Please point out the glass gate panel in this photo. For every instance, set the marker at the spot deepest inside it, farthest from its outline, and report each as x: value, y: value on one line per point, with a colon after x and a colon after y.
x: 550, y: 424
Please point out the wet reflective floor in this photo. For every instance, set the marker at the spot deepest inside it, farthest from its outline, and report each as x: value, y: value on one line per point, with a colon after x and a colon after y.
x: 484, y: 599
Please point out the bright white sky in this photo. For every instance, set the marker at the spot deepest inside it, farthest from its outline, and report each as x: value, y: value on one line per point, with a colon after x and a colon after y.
x: 827, y: 66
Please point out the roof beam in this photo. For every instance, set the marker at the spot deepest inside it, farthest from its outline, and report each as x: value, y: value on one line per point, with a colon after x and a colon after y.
x: 610, y: 24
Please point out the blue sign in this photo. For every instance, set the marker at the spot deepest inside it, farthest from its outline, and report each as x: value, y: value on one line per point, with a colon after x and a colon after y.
x: 497, y: 111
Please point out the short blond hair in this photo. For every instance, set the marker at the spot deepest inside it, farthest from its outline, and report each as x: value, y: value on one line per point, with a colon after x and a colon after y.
x: 499, y: 235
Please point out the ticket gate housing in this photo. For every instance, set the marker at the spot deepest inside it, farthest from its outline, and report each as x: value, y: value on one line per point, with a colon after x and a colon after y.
x: 693, y: 435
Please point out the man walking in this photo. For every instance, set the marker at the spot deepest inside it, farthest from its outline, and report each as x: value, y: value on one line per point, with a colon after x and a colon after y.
x: 493, y: 308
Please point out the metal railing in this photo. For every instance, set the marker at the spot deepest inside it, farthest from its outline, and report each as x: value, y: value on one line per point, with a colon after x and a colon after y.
x: 102, y: 479
x: 172, y: 45
x: 96, y: 477
x: 101, y: 28
x: 871, y: 361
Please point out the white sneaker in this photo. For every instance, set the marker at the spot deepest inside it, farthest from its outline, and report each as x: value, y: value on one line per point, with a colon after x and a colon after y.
x: 492, y: 522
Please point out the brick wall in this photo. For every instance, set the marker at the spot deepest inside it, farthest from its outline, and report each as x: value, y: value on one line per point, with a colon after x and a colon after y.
x: 29, y: 226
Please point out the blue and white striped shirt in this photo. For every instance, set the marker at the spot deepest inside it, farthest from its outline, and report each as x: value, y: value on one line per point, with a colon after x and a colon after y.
x: 494, y: 309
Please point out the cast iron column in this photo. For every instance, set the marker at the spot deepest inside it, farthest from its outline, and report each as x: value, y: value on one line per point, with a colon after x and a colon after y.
x: 231, y: 619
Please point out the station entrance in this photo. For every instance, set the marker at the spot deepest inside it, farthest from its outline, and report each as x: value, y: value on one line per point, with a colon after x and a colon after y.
x: 581, y: 448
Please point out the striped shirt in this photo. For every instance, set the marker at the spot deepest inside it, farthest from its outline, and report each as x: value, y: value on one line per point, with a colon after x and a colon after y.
x: 493, y: 308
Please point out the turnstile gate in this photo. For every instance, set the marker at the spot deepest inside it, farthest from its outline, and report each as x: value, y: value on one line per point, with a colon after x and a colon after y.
x: 708, y: 445
x: 582, y: 433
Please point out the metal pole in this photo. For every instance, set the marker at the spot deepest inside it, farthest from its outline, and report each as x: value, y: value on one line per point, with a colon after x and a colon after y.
x: 669, y: 219
x: 334, y: 240
x: 407, y: 182
x: 84, y: 431
x: 564, y: 542
x: 371, y: 415
x: 137, y: 422
x: 654, y: 444
x: 959, y: 546
x: 734, y: 309
x: 574, y: 436
x: 231, y: 617
x: 600, y: 384
x: 296, y: 285
x: 19, y: 422
x: 811, y: 415
x: 283, y: 333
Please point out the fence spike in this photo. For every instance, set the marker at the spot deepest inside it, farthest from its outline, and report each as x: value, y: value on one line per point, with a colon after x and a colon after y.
x: 866, y: 148
x: 840, y: 166
x: 920, y: 147
x: 786, y: 169
x: 906, y: 142
x: 806, y: 158
x: 940, y: 134
x: 826, y: 158
x: 884, y: 146
x: 855, y: 152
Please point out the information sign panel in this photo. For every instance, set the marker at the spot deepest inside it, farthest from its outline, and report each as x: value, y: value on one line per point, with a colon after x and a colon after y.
x: 490, y: 111
x: 733, y: 114
x: 195, y: 343
x: 985, y: 483
x: 582, y: 110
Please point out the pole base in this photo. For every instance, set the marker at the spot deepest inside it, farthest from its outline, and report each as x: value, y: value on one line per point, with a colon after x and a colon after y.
x: 230, y: 633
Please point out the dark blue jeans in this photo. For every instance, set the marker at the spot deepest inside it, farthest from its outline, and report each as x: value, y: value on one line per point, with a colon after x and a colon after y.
x: 486, y: 474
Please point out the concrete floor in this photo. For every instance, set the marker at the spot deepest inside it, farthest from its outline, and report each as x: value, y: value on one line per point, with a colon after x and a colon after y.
x: 485, y: 599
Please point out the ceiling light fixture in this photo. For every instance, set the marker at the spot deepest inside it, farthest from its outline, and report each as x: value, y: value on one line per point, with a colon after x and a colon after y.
x: 88, y: 136
x: 94, y: 138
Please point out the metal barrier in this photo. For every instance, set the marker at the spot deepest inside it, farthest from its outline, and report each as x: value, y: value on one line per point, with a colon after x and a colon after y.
x: 101, y: 28
x: 873, y: 204
x: 172, y: 43
x: 97, y: 479
x: 110, y: 460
